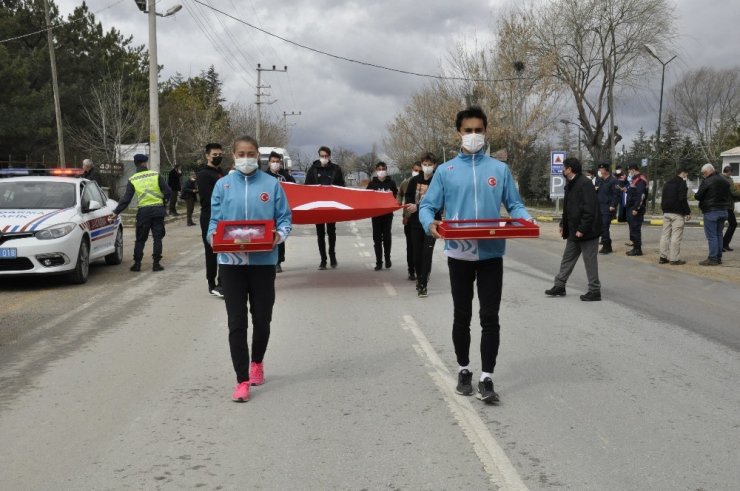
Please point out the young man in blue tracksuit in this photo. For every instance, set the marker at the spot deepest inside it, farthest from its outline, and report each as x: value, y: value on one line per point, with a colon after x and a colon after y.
x: 249, y: 194
x: 473, y: 186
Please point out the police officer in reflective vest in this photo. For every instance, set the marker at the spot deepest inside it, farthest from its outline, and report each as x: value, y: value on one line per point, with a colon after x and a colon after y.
x: 152, y: 193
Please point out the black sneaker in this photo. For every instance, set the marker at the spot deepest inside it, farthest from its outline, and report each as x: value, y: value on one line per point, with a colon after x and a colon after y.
x: 322, y: 265
x: 217, y: 291
x: 378, y: 266
x: 278, y: 269
x: 663, y: 260
x: 464, y: 383
x: 556, y: 291
x: 412, y: 277
x: 423, y: 292
x: 486, y: 392
x: 333, y: 260
x: 157, y: 267
x: 388, y: 263
x: 591, y: 297
x: 135, y: 267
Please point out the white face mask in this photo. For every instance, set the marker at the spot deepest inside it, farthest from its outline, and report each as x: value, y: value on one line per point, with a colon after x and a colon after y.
x: 324, y: 161
x: 414, y: 173
x: 473, y: 142
x: 275, y: 166
x: 382, y: 174
x: 246, y: 165
x: 428, y: 169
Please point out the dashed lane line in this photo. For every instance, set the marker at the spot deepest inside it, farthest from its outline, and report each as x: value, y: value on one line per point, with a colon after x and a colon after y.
x: 501, y: 471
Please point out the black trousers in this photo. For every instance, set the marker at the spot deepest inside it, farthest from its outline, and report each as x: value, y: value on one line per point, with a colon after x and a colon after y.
x: 190, y: 207
x: 173, y: 202
x: 281, y: 252
x: 322, y: 230
x: 149, y: 219
x: 606, y: 223
x: 382, y: 236
x: 488, y: 275
x: 635, y: 223
x: 731, y: 226
x: 423, y: 249
x: 211, y: 257
x: 409, y: 249
x: 256, y: 285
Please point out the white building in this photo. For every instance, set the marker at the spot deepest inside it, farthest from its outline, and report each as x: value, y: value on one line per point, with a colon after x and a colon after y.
x: 731, y: 157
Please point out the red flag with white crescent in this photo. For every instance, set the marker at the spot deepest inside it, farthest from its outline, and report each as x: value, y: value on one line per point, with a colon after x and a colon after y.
x: 325, y: 204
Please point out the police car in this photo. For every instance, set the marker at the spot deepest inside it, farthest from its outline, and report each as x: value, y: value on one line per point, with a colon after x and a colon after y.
x: 56, y: 225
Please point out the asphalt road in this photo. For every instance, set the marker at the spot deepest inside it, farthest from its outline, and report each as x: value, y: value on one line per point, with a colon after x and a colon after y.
x: 125, y: 382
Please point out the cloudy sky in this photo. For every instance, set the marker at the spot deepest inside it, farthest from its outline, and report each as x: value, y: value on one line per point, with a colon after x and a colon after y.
x: 349, y: 105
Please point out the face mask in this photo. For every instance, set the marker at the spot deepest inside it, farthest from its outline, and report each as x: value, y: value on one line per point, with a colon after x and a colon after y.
x: 275, y: 166
x: 428, y: 169
x: 473, y: 142
x: 217, y: 160
x: 246, y: 165
x: 324, y: 161
x: 414, y: 173
x: 382, y: 174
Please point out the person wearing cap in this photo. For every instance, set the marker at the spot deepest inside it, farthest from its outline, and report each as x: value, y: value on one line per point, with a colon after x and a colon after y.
x: 714, y: 199
x: 636, y: 205
x: 581, y: 228
x: 731, y: 220
x: 608, y: 194
x: 152, y: 192
x: 174, y: 181
x: 676, y: 212
x: 90, y: 172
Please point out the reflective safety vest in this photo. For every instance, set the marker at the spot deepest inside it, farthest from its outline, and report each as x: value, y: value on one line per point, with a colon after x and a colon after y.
x: 146, y: 185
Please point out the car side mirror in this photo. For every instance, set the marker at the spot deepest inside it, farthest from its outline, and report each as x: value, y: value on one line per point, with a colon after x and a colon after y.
x: 92, y: 206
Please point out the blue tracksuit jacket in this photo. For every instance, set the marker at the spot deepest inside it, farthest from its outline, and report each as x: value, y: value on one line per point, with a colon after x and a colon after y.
x: 472, y: 187
x: 254, y: 197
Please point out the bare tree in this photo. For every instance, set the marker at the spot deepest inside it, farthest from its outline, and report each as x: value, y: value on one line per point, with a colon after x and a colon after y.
x: 707, y: 103
x: 243, y: 121
x: 595, y: 47
x: 114, y: 118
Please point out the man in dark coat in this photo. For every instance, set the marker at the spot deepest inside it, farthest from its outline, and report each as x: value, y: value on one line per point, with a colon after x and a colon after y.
x: 175, y: 184
x: 90, y: 172
x: 608, y: 194
x: 581, y: 227
x: 382, y: 225
x: 636, y: 205
x: 714, y: 199
x: 676, y: 212
x: 326, y: 173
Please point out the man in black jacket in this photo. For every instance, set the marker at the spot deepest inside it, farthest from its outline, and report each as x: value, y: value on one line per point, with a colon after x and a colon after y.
x: 636, y: 200
x: 90, y: 172
x: 174, y: 181
x: 206, y: 180
x: 714, y: 200
x: 275, y: 169
x: 326, y: 173
x: 676, y: 212
x: 731, y: 220
x: 581, y: 227
x: 608, y: 195
x: 382, y: 225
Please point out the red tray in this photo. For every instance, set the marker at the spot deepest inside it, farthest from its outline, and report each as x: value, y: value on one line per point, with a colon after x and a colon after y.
x: 491, y: 228
x: 244, y: 235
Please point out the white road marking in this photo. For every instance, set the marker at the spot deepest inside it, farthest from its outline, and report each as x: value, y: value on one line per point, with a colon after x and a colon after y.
x: 364, y: 254
x: 501, y: 471
x: 390, y: 289
x: 360, y: 244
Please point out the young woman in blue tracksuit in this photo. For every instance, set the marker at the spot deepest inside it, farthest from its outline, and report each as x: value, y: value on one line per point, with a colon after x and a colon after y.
x: 473, y: 186
x: 249, y: 194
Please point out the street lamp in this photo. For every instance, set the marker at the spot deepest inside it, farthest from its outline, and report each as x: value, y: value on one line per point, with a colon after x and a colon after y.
x: 565, y: 121
x: 652, y: 53
x: 154, y: 78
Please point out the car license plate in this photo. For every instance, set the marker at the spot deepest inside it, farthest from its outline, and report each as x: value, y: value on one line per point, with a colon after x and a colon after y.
x: 8, y: 253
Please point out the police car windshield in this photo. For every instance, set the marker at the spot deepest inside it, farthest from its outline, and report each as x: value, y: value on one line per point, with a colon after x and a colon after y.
x: 24, y: 195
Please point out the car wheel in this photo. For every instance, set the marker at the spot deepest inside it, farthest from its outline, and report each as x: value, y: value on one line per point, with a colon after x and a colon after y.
x: 79, y: 274
x: 116, y: 257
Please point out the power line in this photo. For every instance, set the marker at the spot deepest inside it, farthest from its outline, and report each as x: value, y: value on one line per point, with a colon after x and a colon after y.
x: 58, y: 24
x: 351, y: 60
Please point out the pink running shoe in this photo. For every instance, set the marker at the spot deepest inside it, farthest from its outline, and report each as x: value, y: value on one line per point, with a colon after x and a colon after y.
x: 257, y: 373
x: 241, y: 393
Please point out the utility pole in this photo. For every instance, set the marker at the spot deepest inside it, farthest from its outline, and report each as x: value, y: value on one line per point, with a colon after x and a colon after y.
x: 285, y: 120
x: 260, y: 94
x: 153, y: 90
x: 55, y: 86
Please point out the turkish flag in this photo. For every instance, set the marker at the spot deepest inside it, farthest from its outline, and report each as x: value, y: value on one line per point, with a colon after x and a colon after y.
x: 325, y: 204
